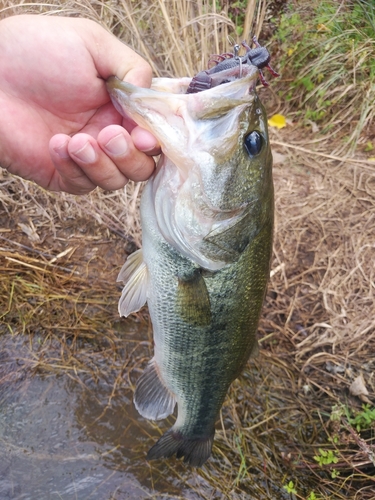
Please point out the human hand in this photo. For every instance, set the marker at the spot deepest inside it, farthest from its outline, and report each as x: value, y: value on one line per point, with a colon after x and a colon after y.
x: 58, y: 126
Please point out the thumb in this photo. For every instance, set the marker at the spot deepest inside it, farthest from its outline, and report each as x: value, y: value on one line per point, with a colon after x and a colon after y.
x: 113, y: 57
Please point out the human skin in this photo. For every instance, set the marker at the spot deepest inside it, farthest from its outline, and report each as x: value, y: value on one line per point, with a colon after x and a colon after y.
x: 58, y: 126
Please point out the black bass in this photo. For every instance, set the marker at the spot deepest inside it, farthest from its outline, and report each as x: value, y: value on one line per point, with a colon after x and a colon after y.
x: 207, y: 219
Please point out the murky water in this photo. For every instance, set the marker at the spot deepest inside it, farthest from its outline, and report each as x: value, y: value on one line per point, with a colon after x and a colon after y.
x: 69, y: 430
x: 65, y: 436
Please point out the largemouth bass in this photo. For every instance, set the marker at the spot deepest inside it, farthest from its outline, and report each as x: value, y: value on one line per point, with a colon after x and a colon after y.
x: 207, y: 219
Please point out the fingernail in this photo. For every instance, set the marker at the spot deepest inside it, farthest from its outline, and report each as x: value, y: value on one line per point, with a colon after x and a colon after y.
x: 62, y: 151
x: 86, y: 154
x: 117, y: 146
x: 152, y: 149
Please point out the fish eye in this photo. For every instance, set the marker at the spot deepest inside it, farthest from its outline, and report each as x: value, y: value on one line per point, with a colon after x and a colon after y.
x: 253, y: 143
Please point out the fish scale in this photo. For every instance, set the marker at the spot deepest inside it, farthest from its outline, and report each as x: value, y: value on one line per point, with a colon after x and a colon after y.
x: 206, y: 249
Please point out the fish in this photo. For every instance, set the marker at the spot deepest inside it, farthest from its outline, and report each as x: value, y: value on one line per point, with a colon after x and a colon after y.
x: 207, y: 226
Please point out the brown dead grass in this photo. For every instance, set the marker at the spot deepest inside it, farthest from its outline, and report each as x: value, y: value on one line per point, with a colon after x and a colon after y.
x: 60, y: 254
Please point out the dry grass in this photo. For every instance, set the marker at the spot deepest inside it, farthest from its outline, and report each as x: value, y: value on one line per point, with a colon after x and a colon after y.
x: 60, y: 256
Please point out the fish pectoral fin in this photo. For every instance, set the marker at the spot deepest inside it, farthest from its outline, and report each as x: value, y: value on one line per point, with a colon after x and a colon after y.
x: 194, y: 450
x: 135, y: 276
x: 193, y: 301
x: 152, y: 398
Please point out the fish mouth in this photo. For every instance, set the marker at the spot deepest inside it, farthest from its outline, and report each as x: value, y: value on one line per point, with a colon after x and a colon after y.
x: 186, y: 125
x: 247, y: 76
x: 167, y: 98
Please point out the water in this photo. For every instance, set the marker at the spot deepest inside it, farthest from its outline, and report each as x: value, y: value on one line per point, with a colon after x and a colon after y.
x: 67, y: 436
x: 69, y: 430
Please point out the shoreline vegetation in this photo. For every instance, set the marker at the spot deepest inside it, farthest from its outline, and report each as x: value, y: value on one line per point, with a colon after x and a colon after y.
x: 300, y: 421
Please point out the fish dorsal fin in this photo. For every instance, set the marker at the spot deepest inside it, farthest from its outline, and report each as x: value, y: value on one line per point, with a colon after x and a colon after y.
x: 135, y: 276
x: 152, y: 398
x: 193, y: 300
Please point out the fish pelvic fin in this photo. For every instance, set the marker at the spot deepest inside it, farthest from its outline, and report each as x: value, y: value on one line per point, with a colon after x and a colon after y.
x: 152, y: 398
x: 193, y: 299
x: 135, y: 276
x: 194, y: 450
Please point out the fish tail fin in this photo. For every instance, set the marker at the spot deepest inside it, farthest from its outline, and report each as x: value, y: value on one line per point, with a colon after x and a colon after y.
x: 152, y: 398
x: 195, y: 451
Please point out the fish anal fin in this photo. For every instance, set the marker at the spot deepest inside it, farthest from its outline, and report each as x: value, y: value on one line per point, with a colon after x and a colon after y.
x: 193, y: 300
x: 135, y: 276
x: 194, y: 450
x: 152, y: 398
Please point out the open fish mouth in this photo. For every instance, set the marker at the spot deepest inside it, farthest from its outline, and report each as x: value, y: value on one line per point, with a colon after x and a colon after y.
x: 215, y: 101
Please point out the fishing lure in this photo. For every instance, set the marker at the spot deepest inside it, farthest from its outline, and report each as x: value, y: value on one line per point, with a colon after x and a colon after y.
x: 228, y: 67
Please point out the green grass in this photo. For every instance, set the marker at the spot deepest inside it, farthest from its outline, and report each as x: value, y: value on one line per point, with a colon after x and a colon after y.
x: 364, y: 419
x: 328, y: 58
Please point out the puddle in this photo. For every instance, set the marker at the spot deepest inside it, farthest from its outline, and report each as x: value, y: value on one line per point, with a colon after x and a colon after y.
x: 65, y: 437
